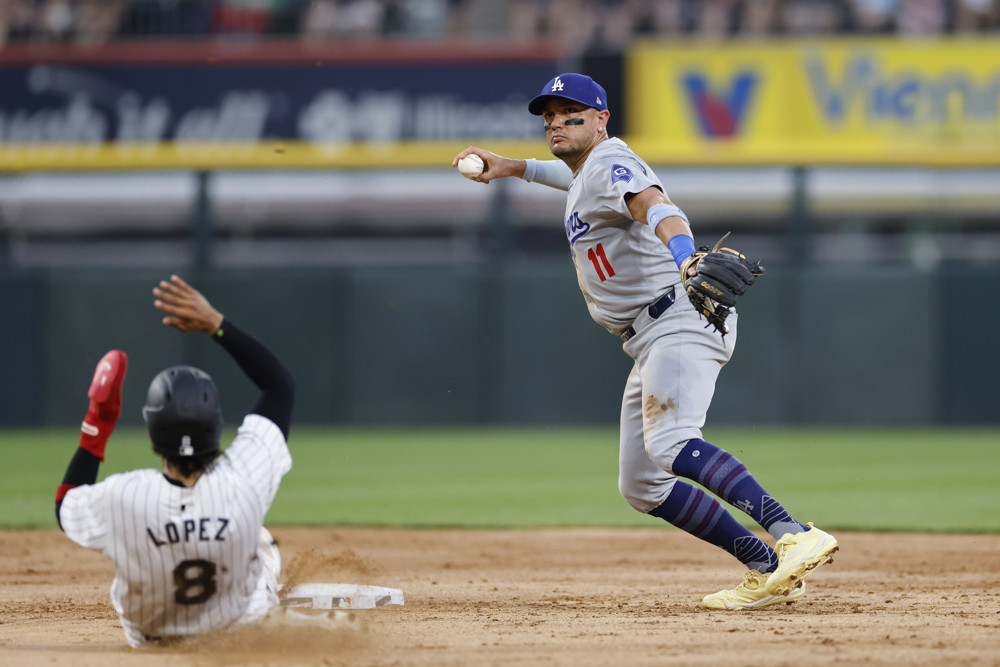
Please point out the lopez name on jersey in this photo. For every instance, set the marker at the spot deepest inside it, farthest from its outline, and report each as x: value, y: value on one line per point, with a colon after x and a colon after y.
x: 190, y: 530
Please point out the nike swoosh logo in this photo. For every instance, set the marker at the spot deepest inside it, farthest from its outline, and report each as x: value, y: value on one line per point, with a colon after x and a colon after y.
x: 104, y: 366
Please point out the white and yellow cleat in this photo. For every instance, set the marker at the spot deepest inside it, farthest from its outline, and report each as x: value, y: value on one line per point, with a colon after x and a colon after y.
x: 750, y: 594
x: 798, y: 555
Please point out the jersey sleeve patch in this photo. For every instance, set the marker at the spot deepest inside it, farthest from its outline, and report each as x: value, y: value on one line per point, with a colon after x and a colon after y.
x: 620, y: 174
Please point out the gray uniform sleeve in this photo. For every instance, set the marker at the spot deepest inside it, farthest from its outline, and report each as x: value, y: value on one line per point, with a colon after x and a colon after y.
x: 553, y: 173
x: 611, y: 178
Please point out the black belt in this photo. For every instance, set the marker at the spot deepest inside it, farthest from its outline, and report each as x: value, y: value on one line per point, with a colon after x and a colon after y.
x: 655, y: 309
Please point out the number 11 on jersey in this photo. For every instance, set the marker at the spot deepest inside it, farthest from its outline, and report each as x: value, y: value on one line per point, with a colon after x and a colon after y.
x: 598, y: 252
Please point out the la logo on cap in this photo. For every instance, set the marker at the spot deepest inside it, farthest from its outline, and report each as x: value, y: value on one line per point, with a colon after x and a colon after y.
x: 558, y: 85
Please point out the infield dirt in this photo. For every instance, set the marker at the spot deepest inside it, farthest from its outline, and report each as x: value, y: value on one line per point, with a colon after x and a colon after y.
x: 541, y: 597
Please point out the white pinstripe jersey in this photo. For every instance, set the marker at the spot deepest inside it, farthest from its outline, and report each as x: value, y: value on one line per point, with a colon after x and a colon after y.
x: 186, y: 559
x: 621, y: 265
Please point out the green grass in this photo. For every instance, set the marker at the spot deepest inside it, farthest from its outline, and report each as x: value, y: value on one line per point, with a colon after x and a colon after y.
x: 914, y: 479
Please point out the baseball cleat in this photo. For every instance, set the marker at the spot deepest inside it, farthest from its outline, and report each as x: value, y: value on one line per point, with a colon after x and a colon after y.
x: 798, y: 555
x: 750, y: 594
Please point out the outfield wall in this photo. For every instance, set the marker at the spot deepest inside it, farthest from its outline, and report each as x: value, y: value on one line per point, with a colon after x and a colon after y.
x: 512, y: 345
x: 459, y: 338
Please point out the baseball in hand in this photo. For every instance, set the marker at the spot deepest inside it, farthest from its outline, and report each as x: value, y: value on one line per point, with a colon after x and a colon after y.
x: 471, y: 166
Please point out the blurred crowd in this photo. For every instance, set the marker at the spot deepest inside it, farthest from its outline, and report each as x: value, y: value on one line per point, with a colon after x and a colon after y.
x: 578, y: 25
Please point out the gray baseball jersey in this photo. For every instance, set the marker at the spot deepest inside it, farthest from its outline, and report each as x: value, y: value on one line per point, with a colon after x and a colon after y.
x: 607, y: 243
x: 187, y: 560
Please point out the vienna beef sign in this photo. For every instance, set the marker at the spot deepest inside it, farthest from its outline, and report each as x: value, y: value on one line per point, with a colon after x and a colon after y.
x: 813, y: 102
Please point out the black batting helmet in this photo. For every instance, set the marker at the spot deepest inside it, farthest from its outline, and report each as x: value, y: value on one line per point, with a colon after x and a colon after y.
x: 182, y: 412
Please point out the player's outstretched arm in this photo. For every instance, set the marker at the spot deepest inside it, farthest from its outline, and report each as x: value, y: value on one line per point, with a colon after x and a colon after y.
x: 187, y: 309
x: 494, y: 166
x: 105, y: 408
x: 553, y: 173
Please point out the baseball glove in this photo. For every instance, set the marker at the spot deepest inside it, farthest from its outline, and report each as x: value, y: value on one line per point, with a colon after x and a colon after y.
x: 723, y: 274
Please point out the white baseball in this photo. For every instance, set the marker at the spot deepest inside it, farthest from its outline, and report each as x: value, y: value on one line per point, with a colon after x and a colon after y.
x: 471, y: 165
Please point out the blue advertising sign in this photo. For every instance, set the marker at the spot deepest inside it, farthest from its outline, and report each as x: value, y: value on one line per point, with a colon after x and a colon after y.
x: 311, y: 100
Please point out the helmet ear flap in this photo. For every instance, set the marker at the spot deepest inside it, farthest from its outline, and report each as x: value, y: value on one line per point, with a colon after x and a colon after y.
x: 182, y: 412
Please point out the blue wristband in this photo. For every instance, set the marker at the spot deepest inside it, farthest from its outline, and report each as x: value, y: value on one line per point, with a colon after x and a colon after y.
x: 658, y: 212
x: 681, y: 247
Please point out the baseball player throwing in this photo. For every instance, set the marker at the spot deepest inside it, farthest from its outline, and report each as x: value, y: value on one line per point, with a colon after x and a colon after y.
x: 643, y: 280
x: 190, y: 549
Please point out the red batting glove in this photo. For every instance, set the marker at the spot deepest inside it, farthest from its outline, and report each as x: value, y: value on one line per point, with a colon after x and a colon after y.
x: 105, y: 395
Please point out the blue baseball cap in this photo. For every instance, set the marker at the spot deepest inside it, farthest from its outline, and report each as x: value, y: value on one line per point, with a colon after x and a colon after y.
x: 577, y: 87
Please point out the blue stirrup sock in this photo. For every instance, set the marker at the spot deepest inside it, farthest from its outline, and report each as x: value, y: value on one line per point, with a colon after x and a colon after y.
x: 724, y: 475
x: 692, y: 510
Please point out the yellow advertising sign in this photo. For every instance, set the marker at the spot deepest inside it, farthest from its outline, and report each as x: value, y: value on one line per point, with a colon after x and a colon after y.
x: 277, y: 155
x: 934, y: 102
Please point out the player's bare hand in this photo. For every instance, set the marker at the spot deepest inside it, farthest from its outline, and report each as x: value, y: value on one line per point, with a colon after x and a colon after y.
x: 494, y: 166
x: 185, y: 307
